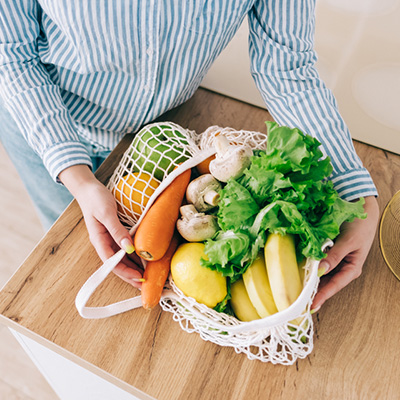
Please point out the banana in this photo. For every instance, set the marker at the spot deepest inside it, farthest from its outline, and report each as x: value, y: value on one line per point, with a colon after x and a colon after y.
x: 283, y: 271
x: 302, y: 271
x: 241, y: 304
x: 258, y: 287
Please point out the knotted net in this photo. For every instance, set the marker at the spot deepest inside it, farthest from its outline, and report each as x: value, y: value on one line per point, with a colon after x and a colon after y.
x: 160, y: 152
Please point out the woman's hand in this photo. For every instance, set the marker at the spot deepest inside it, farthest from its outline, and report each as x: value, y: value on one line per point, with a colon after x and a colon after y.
x: 99, y: 210
x: 346, y: 258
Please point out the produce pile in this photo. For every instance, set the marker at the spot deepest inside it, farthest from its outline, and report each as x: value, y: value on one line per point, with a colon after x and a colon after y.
x: 235, y: 231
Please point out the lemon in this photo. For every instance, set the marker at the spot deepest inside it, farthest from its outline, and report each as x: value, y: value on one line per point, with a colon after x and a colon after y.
x: 133, y: 190
x: 203, y: 284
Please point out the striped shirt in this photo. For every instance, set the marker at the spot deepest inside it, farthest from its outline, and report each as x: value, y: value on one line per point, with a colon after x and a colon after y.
x: 101, y: 69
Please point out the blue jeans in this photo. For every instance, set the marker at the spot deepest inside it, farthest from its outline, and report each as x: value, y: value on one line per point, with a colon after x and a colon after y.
x: 49, y: 198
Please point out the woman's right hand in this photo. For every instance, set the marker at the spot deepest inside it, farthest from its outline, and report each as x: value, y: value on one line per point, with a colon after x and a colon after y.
x: 99, y: 209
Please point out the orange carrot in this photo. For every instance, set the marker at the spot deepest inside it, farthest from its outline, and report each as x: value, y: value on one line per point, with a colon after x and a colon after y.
x: 154, y: 233
x: 204, y: 166
x: 155, y: 275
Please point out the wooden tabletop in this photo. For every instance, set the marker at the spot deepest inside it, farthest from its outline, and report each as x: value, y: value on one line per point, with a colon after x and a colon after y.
x: 356, y: 351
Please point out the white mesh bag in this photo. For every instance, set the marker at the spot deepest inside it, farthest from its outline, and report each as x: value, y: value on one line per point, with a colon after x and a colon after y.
x: 281, y: 338
x: 154, y: 153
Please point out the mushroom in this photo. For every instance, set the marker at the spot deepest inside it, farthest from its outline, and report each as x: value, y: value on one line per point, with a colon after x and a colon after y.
x: 195, y: 226
x: 202, y: 192
x: 231, y: 160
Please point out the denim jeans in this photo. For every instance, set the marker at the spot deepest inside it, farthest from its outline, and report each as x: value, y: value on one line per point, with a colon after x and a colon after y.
x: 49, y: 198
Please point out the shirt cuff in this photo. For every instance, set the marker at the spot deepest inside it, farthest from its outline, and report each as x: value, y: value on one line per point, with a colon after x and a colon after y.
x: 354, y: 184
x: 64, y: 155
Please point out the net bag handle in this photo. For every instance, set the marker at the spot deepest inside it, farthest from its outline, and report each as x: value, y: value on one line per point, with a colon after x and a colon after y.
x: 94, y: 281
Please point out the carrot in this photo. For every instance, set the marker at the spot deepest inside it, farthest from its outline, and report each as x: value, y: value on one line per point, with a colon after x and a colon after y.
x: 154, y: 233
x: 204, y: 166
x: 155, y: 275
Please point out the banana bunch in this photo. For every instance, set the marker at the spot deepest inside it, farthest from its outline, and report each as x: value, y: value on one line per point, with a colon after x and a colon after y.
x: 271, y: 283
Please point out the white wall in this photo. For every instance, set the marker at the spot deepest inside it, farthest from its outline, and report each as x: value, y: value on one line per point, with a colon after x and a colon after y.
x: 358, y: 46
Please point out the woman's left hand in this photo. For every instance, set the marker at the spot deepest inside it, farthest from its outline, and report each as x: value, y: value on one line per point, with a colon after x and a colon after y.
x: 346, y: 258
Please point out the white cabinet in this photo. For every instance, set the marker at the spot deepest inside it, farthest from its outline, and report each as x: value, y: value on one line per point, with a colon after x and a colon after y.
x: 71, y: 381
x: 358, y: 46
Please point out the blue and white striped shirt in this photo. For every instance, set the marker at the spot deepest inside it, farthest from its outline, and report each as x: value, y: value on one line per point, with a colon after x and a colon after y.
x: 101, y: 69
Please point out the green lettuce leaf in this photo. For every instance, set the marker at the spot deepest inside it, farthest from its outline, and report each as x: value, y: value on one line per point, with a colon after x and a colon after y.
x: 341, y: 211
x: 228, y: 253
x: 237, y: 206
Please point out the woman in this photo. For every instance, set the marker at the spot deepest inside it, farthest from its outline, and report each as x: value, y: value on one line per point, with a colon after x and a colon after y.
x: 76, y: 76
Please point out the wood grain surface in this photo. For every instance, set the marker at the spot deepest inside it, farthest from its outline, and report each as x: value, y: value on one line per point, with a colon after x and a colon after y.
x: 356, y: 337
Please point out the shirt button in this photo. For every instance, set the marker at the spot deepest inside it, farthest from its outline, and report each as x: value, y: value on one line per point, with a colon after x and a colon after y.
x: 149, y: 51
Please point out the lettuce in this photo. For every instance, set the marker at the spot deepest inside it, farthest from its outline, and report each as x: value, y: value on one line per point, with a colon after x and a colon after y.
x: 237, y: 205
x: 285, y: 190
x: 228, y: 253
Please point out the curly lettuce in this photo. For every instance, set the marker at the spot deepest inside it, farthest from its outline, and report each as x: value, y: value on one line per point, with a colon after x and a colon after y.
x: 284, y: 190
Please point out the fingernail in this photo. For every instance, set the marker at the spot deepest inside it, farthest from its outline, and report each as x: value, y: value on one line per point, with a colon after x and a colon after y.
x: 323, y: 268
x: 315, y: 310
x: 138, y: 279
x: 127, y: 245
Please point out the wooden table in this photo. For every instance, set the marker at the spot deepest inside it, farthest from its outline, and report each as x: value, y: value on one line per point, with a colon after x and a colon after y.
x: 356, y: 352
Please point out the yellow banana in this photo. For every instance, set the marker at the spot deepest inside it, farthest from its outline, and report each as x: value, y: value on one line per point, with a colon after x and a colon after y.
x: 283, y: 271
x: 258, y: 287
x: 241, y: 304
x: 302, y: 271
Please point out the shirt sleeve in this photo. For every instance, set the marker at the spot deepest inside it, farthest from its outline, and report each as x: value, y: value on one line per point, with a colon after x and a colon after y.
x: 29, y: 94
x: 282, y: 57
